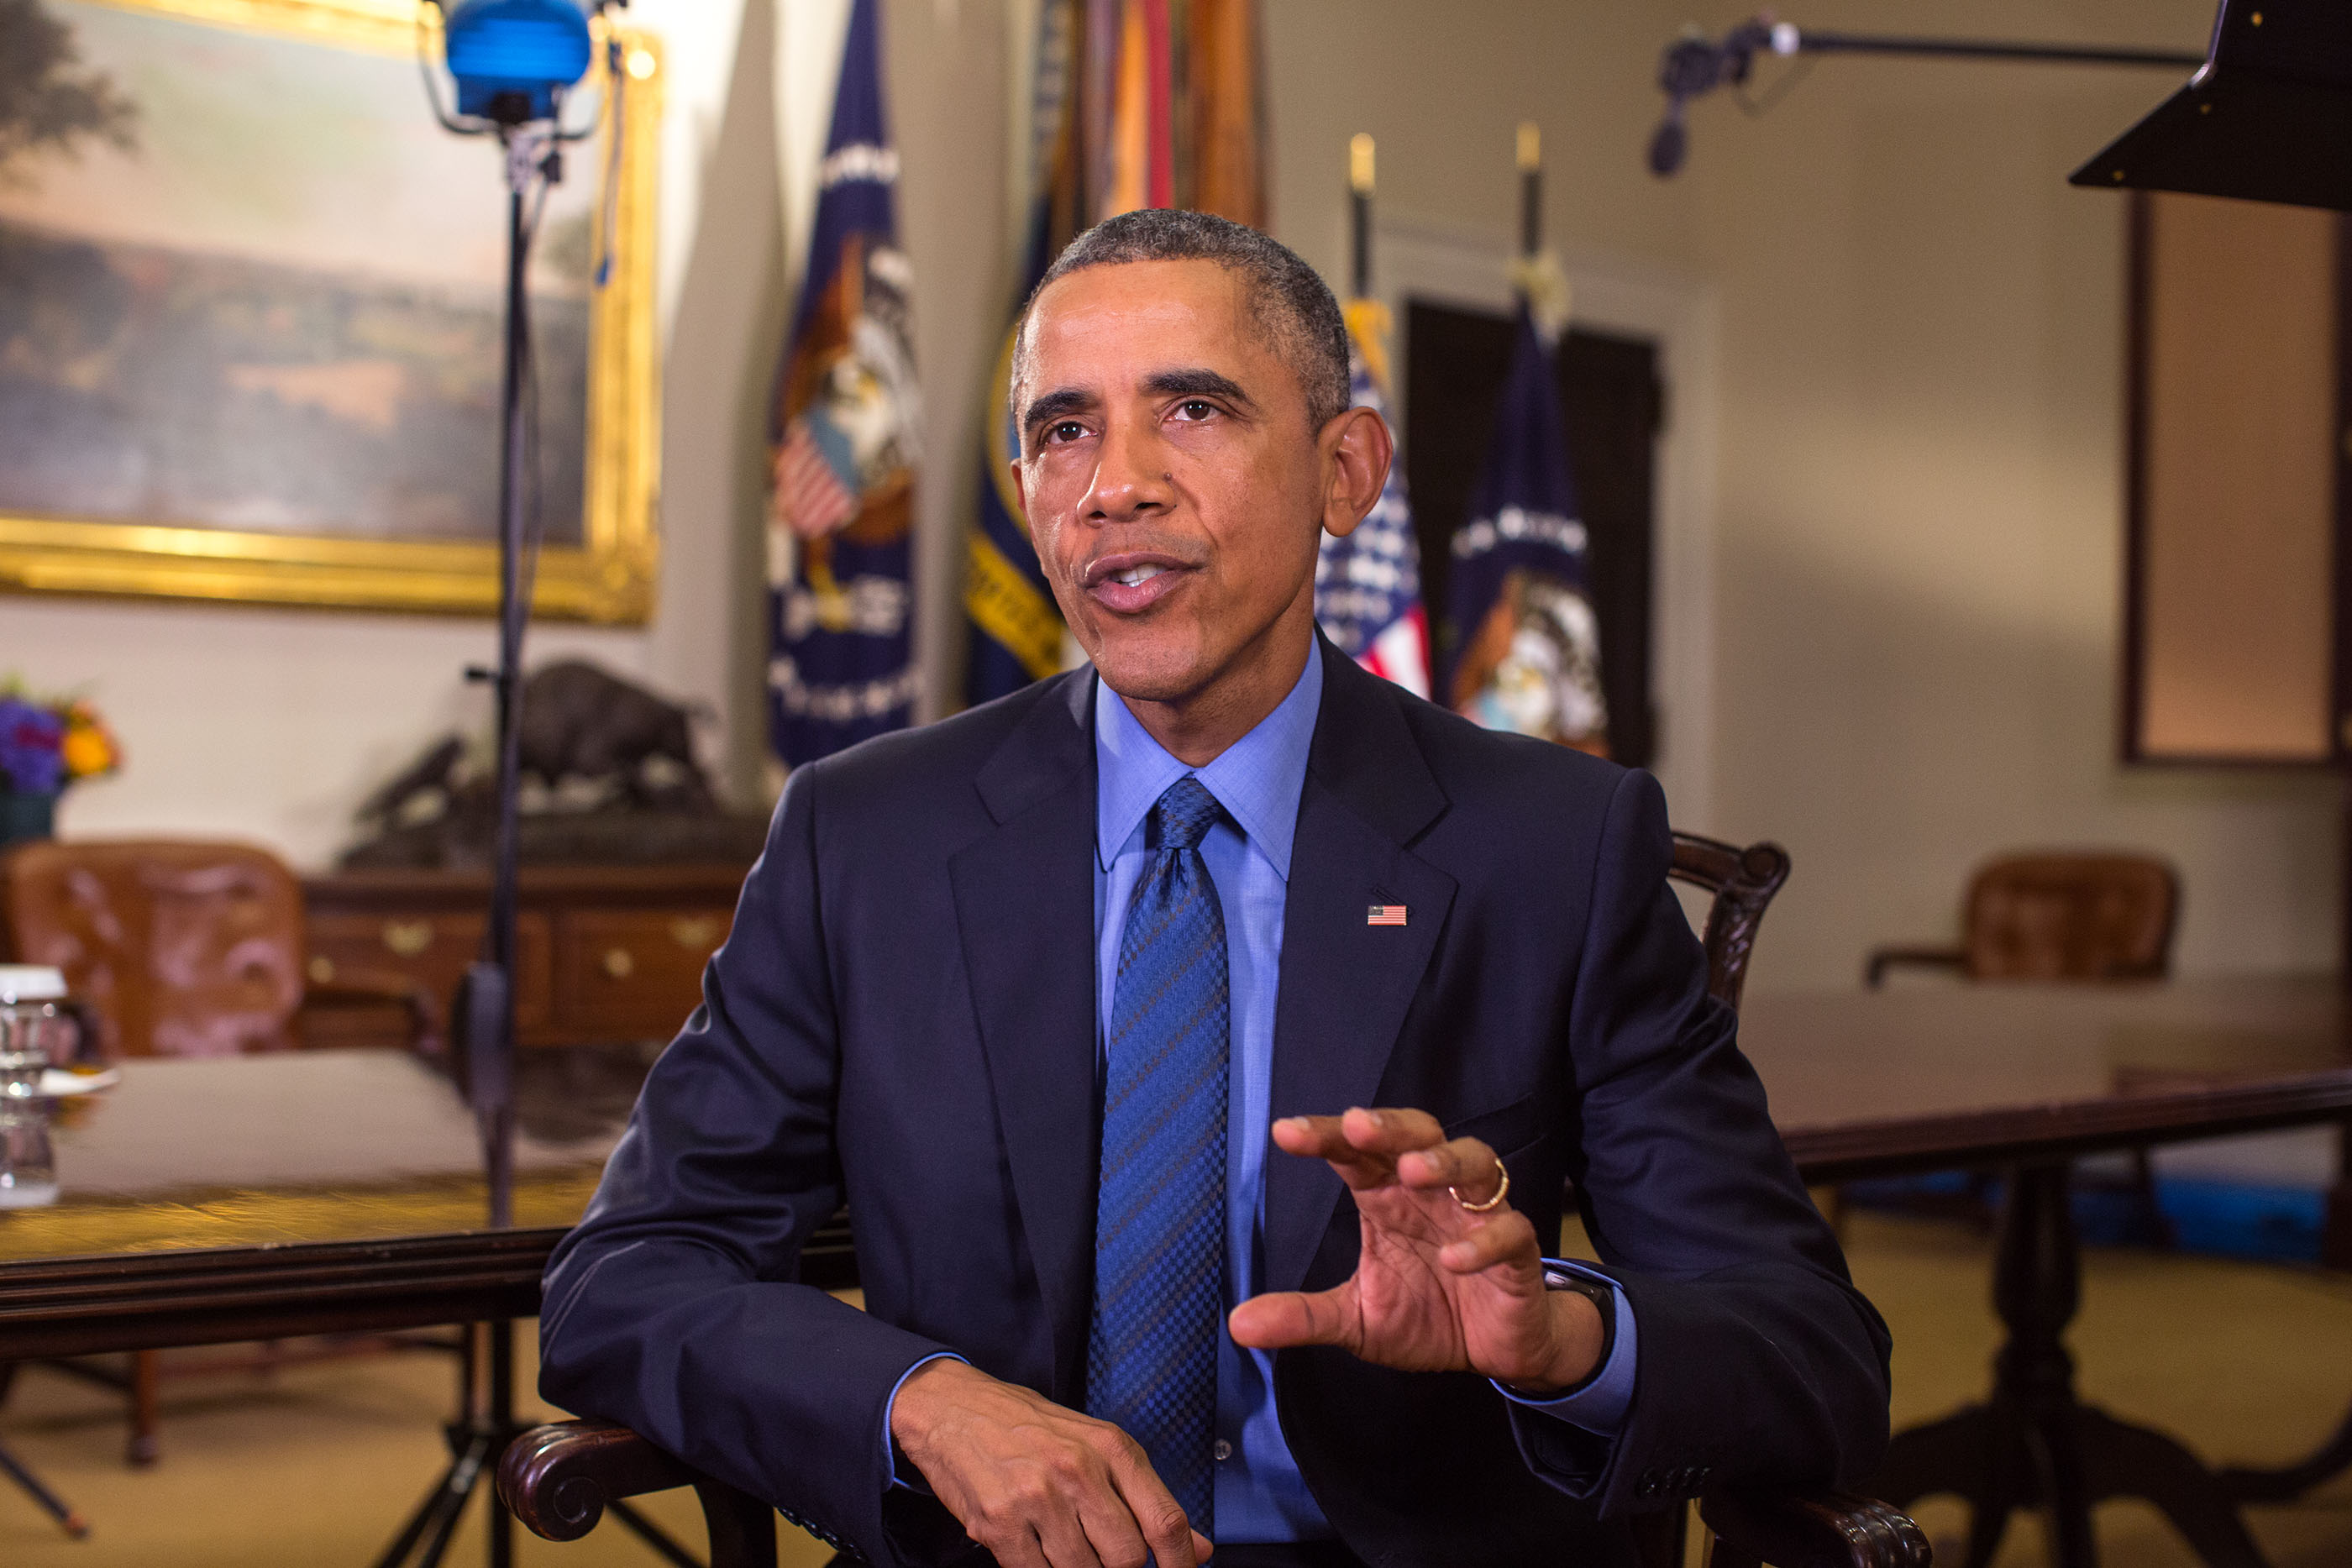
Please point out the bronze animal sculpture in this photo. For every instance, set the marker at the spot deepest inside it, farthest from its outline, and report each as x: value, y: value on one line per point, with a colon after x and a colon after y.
x: 616, y: 775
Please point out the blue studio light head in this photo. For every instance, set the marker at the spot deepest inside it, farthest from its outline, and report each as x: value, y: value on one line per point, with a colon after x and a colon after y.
x: 511, y: 57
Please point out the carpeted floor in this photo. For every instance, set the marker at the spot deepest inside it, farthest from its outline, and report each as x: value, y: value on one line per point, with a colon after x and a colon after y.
x: 320, y: 1465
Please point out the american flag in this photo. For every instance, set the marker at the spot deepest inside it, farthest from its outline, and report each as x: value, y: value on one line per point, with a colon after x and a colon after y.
x: 811, y: 499
x: 1385, y: 915
x: 1368, y: 585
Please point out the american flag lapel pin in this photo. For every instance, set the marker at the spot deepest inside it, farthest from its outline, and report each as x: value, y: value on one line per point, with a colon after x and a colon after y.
x: 1385, y: 915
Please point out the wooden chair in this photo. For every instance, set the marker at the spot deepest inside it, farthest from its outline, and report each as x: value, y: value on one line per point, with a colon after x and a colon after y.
x: 2056, y: 916
x: 179, y: 948
x: 559, y: 1478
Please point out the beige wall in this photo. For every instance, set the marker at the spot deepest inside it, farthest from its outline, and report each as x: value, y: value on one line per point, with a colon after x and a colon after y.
x: 1918, y: 549
x: 1912, y: 490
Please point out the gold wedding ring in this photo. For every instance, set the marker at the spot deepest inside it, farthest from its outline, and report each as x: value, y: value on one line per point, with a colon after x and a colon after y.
x: 1493, y: 1203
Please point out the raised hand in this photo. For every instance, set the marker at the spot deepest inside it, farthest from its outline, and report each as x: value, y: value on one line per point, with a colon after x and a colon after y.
x: 1039, y: 1486
x: 1439, y: 1287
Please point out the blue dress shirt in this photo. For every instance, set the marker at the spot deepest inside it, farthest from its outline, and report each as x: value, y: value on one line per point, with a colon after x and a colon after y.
x: 1260, y: 1495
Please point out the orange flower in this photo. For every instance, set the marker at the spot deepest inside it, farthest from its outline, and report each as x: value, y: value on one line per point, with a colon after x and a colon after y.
x: 88, y: 749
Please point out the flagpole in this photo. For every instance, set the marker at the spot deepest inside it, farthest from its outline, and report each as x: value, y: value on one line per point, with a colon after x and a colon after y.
x: 1360, y: 200
x: 1530, y: 189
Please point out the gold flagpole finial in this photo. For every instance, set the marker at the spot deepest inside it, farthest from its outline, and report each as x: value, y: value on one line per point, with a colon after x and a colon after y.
x: 1530, y: 147
x: 1359, y: 164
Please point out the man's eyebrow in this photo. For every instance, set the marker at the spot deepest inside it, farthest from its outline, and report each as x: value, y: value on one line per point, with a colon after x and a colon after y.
x: 1197, y: 383
x: 1059, y: 404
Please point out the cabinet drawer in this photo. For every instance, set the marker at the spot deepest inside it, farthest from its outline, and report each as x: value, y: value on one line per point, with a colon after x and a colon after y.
x: 434, y: 949
x: 634, y: 973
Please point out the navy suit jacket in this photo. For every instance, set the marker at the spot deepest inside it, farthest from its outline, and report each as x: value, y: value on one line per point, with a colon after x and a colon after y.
x: 903, y: 1020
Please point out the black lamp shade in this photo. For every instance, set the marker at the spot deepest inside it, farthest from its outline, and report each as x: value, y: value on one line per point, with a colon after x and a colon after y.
x: 2268, y: 117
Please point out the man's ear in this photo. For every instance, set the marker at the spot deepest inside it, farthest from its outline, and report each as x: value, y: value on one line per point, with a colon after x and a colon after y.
x: 1357, y: 450
x: 1020, y: 485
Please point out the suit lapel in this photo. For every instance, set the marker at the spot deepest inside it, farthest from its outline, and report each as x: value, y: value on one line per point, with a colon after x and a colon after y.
x: 1025, y: 909
x: 1347, y: 985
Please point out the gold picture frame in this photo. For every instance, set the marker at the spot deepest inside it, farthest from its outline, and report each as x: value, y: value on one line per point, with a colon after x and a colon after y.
x: 607, y: 576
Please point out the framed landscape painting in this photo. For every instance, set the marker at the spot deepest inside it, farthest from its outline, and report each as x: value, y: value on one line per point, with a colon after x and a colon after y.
x: 252, y: 308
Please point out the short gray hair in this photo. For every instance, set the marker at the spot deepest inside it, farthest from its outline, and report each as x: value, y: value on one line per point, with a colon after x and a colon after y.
x: 1288, y: 299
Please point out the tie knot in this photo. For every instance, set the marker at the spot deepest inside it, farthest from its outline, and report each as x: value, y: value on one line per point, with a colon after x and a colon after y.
x: 1185, y: 814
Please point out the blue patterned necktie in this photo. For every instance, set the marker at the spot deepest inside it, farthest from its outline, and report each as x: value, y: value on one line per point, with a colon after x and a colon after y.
x: 1159, y: 1248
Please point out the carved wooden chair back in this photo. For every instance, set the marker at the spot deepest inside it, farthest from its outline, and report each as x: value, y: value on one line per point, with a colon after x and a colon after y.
x: 1742, y: 883
x: 180, y: 948
x: 2071, y: 917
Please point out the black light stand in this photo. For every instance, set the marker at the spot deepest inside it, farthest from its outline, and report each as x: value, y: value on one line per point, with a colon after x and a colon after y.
x: 1693, y: 67
x: 484, y: 1012
x: 485, y: 1007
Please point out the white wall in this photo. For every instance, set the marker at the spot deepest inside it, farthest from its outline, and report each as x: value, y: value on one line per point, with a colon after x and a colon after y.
x: 1918, y: 553
x: 1910, y: 511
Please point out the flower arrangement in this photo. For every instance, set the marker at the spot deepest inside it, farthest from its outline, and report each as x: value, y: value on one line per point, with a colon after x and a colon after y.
x: 45, y: 745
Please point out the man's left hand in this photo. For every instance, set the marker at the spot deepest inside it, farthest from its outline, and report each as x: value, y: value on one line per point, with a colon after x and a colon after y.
x: 1439, y: 1288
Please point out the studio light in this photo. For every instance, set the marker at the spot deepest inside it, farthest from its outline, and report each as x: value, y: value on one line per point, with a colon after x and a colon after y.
x: 2267, y: 118
x: 512, y: 59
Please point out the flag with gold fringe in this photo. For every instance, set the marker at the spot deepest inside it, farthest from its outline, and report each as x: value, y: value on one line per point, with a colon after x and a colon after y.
x: 1134, y: 103
x: 1368, y: 584
x: 1530, y: 657
x: 845, y: 435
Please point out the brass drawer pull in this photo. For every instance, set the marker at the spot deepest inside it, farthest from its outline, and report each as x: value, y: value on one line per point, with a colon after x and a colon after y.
x: 697, y: 932
x: 618, y: 964
x: 408, y: 937
x: 322, y: 970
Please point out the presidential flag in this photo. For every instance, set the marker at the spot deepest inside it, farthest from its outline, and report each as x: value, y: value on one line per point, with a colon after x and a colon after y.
x: 845, y: 436
x: 1134, y: 103
x: 1529, y: 654
x: 1368, y: 584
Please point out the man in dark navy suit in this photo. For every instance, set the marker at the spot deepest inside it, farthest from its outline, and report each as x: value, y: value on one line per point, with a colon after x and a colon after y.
x: 1077, y: 1001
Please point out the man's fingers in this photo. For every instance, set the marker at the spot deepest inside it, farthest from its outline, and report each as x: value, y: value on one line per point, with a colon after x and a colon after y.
x: 1466, y: 1165
x: 1155, y: 1511
x: 1362, y: 1144
x: 1392, y: 1133
x: 1281, y: 1318
x: 1323, y: 1138
x: 1506, y: 1238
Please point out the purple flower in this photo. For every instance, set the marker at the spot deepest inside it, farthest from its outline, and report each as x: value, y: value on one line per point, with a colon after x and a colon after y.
x: 31, y: 738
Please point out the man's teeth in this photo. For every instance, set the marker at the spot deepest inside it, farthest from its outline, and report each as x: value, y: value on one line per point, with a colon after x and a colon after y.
x: 1135, y: 574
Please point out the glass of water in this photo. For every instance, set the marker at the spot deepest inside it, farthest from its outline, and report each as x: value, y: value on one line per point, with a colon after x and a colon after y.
x: 35, y: 1030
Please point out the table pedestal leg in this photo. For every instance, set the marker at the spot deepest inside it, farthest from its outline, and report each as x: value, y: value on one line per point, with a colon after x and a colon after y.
x: 2032, y: 1444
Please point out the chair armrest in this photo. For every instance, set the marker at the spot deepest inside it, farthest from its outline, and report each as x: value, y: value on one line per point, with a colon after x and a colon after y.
x: 368, y: 990
x: 1881, y: 959
x: 557, y: 1478
x: 1813, y: 1530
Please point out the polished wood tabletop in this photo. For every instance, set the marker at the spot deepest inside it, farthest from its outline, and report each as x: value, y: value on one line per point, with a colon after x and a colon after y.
x: 1873, y: 1082
x: 315, y: 1145
x: 302, y: 1191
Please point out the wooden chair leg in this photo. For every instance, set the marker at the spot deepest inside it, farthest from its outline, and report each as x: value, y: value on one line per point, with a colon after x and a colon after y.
x: 144, y: 1450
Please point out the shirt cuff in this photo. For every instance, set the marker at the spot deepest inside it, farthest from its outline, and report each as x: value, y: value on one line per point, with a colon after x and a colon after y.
x: 902, y: 1470
x: 1600, y: 1403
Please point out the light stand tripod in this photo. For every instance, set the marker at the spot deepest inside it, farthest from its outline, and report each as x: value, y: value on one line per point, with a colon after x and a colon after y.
x: 485, y: 1010
x: 513, y: 63
x: 15, y: 1469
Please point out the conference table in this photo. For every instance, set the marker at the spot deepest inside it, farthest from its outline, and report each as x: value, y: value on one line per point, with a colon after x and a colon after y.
x: 309, y: 1192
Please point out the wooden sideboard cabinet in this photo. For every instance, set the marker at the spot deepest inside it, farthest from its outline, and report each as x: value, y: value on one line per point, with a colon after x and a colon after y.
x: 602, y: 954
